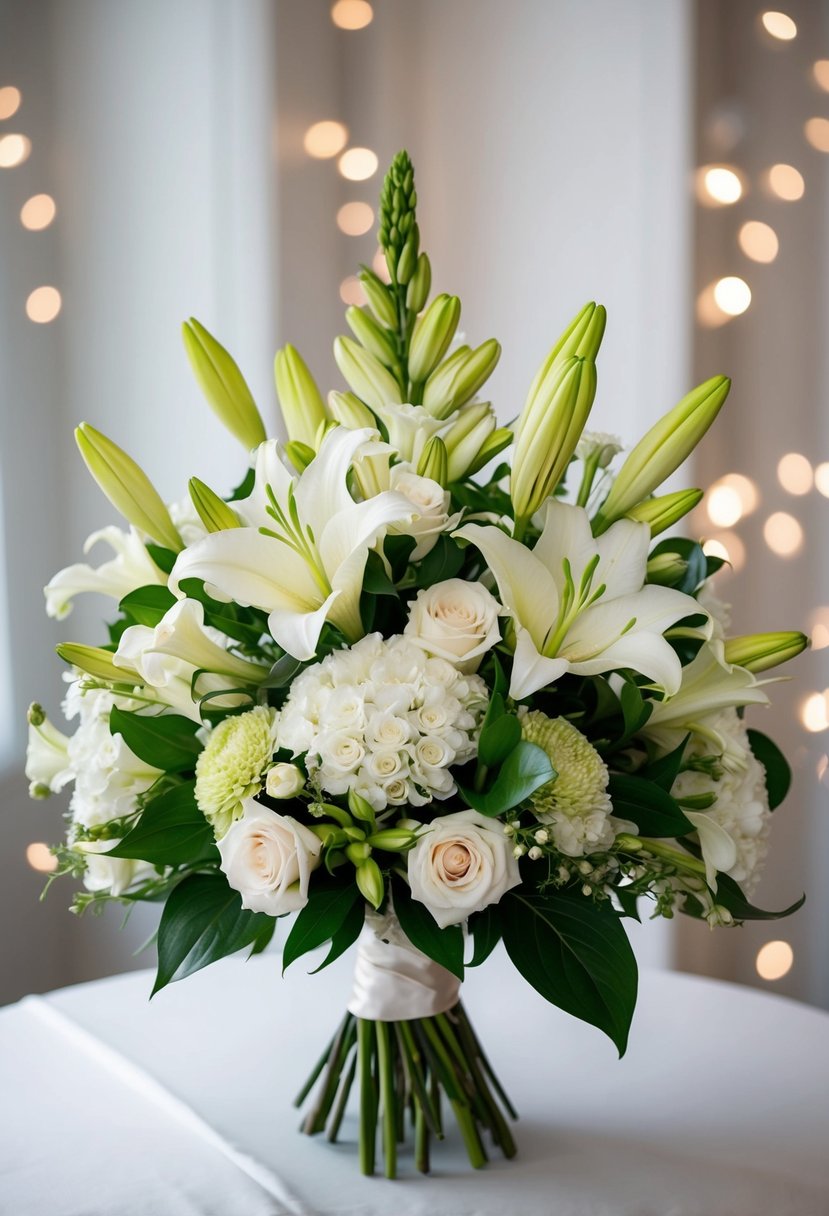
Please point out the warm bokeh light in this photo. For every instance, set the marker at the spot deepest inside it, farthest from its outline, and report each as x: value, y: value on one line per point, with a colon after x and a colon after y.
x: 795, y: 473
x: 746, y: 489
x: 43, y: 305
x: 724, y: 506
x: 325, y: 139
x: 820, y: 71
x: 355, y: 218
x: 709, y: 312
x: 783, y: 534
x: 819, y: 628
x: 14, y: 149
x: 10, y: 100
x: 758, y: 241
x: 358, y: 164
x: 732, y: 295
x: 779, y: 25
x: 719, y: 185
x: 822, y: 478
x: 814, y: 712
x: 816, y: 131
x: 786, y: 182
x: 774, y: 960
x: 380, y: 266
x: 351, y: 291
x: 40, y: 858
x: 729, y: 547
x: 38, y: 212
x: 352, y: 14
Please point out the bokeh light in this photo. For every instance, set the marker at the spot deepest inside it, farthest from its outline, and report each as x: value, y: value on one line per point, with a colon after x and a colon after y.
x: 795, y: 473
x: 816, y: 131
x: 732, y: 295
x: 10, y: 100
x: 43, y: 305
x: 325, y: 139
x: 758, y: 241
x: 783, y: 534
x: 40, y: 857
x: 814, y: 712
x: 724, y: 506
x: 746, y: 489
x: 774, y: 960
x: 358, y: 164
x: 351, y: 291
x: 14, y: 149
x: 352, y: 14
x: 822, y: 478
x: 729, y: 547
x: 355, y: 218
x: 779, y: 25
x: 380, y: 266
x: 786, y: 182
x: 719, y: 185
x: 38, y: 212
x: 820, y: 71
x: 819, y: 627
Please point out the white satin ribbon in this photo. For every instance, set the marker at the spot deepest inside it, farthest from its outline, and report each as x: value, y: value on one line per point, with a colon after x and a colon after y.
x: 393, y: 981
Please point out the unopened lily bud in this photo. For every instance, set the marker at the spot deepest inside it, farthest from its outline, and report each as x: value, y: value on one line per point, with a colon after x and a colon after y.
x: 470, y: 427
x: 127, y: 487
x: 663, y: 512
x: 666, y: 569
x: 581, y: 339
x: 663, y: 449
x: 392, y: 840
x: 299, y: 454
x: 492, y: 446
x: 433, y: 332
x: 437, y: 392
x: 349, y: 411
x: 380, y: 299
x: 213, y: 511
x: 370, y: 882
x: 36, y: 715
x: 223, y: 385
x: 373, y: 337
x: 331, y: 836
x: 417, y: 292
x: 548, y: 430
x: 96, y: 662
x: 445, y: 393
x: 360, y: 808
x: 370, y: 380
x: 408, y: 258
x: 299, y: 398
x: 760, y: 651
x: 434, y: 462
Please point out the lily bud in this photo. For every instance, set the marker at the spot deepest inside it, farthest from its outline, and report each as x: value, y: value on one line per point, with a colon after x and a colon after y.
x: 299, y: 454
x: 663, y: 449
x: 452, y: 385
x: 349, y: 411
x: 299, y: 397
x: 472, y: 425
x: 492, y: 446
x: 393, y: 840
x: 664, y: 511
x: 360, y: 808
x: 760, y: 651
x: 213, y: 511
x: 96, y: 662
x: 433, y: 332
x: 373, y: 383
x: 434, y: 462
x: 582, y: 339
x: 372, y: 336
x: 666, y: 569
x: 127, y: 487
x: 437, y: 392
x: 408, y: 258
x: 548, y: 430
x: 370, y: 882
x: 223, y: 385
x: 380, y: 299
x: 417, y: 292
x: 359, y: 851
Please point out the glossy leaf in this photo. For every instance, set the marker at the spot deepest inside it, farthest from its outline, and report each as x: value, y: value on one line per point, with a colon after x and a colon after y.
x: 319, y: 920
x: 147, y: 605
x: 442, y: 562
x: 500, y: 733
x: 525, y: 770
x: 778, y: 772
x: 650, y: 807
x: 732, y: 898
x: 485, y: 928
x: 346, y: 935
x: 171, y: 831
x: 166, y: 741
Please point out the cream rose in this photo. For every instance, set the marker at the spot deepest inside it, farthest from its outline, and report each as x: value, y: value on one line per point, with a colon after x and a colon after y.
x: 461, y: 864
x: 284, y: 781
x: 268, y: 859
x: 431, y: 503
x: 455, y: 620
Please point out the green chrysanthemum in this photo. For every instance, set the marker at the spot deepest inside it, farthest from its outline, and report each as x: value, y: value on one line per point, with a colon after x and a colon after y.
x: 576, y: 805
x: 232, y: 765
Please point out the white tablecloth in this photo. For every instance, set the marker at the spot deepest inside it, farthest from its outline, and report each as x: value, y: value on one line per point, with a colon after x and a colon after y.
x: 182, y: 1107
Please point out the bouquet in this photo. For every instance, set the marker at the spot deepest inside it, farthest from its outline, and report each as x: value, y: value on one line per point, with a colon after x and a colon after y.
x: 423, y: 700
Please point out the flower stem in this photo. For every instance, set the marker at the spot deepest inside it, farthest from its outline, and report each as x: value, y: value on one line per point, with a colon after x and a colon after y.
x: 368, y: 1096
x: 342, y: 1100
x: 385, y: 1058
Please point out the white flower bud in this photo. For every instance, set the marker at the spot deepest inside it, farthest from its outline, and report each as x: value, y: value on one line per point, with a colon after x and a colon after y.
x: 284, y: 781
x: 534, y: 853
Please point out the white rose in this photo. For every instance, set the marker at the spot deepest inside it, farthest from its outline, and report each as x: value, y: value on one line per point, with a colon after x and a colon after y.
x: 431, y: 502
x: 284, y: 781
x: 455, y: 620
x: 460, y: 865
x: 268, y: 859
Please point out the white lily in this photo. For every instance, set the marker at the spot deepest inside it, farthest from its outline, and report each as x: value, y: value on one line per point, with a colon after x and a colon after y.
x: 579, y: 603
x: 303, y: 558
x: 171, y: 679
x: 132, y: 567
x: 48, y: 766
x: 719, y: 852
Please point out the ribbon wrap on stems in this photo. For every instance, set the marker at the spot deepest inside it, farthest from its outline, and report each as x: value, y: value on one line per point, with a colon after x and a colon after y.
x: 393, y: 981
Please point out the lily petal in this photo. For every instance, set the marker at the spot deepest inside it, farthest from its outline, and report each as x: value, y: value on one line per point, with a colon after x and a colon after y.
x: 623, y: 553
x: 321, y: 491
x: 645, y: 652
x: 251, y: 569
x: 566, y: 535
x: 531, y: 670
x: 719, y: 852
x: 527, y: 588
x: 298, y: 632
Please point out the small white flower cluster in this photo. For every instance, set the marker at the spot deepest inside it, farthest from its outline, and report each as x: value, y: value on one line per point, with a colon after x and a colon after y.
x: 385, y: 720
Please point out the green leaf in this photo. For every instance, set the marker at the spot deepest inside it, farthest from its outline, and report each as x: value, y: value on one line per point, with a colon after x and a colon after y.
x: 500, y: 733
x: 147, y: 605
x: 664, y: 771
x: 635, y: 709
x: 245, y: 487
x: 203, y: 920
x: 732, y: 898
x: 319, y: 920
x: 629, y: 902
x: 525, y: 770
x: 171, y: 831
x: 442, y: 562
x: 778, y: 773
x: 698, y: 565
x: 346, y: 935
x: 575, y: 953
x: 166, y: 741
x: 165, y: 559
x: 443, y: 946
x: 651, y: 808
x: 263, y: 938
x: 376, y: 580
x: 485, y: 928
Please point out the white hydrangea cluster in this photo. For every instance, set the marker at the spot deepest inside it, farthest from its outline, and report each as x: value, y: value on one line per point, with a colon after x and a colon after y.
x: 742, y: 806
x: 384, y: 720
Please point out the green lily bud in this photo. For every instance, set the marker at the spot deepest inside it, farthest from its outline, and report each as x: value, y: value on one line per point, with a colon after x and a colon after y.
x: 332, y: 837
x: 437, y: 392
x: 664, y: 511
x: 408, y: 258
x: 760, y: 651
x: 358, y: 852
x: 444, y: 393
x: 432, y: 333
x: 336, y: 813
x: 663, y: 449
x: 434, y: 462
x: 299, y: 454
x: 548, y: 430
x: 213, y: 511
x: 380, y: 299
x: 582, y: 339
x: 471, y: 426
x: 492, y: 446
x: 373, y: 383
x: 36, y: 714
x: 299, y: 397
x: 349, y: 411
x: 666, y: 569
x: 398, y: 203
x: 127, y: 487
x: 95, y: 662
x: 370, y: 882
x: 360, y: 808
x: 393, y: 840
x: 417, y: 292
x: 223, y: 385
x: 372, y: 336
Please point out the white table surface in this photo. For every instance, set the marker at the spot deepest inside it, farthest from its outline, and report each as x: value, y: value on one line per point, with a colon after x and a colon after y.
x: 182, y: 1106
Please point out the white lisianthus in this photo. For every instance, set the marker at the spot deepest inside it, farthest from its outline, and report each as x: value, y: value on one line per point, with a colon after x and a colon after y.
x: 461, y: 864
x: 598, y: 446
x: 132, y: 567
x: 431, y: 503
x: 113, y: 874
x: 455, y: 620
x: 284, y: 781
x: 268, y: 859
x: 232, y: 766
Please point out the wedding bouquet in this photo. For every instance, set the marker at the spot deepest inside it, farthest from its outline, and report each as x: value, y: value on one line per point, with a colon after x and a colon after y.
x: 424, y: 701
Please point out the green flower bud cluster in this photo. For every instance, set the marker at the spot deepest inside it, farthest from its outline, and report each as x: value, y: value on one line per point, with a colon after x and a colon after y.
x: 399, y: 235
x: 353, y: 836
